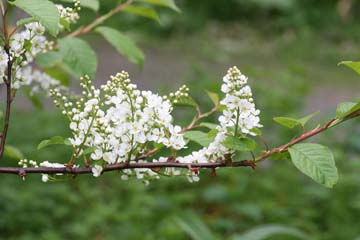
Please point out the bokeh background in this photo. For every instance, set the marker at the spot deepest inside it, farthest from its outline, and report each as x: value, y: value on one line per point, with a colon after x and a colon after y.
x: 289, y: 49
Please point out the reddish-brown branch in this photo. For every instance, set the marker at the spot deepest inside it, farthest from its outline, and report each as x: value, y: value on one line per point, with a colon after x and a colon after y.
x: 8, y: 109
x: 99, y: 20
x: 157, y: 165
x: 8, y: 90
x: 121, y: 166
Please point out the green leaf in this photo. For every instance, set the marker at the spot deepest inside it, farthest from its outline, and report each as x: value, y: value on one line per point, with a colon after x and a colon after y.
x: 91, y: 4
x: 198, y: 137
x: 65, y: 24
x: 13, y: 152
x: 78, y: 56
x: 56, y: 140
x: 123, y: 44
x: 214, y: 97
x: 266, y: 231
x: 345, y: 108
x: 59, y: 75
x: 88, y: 150
x: 194, y: 226
x: 287, y: 122
x: 292, y: 122
x: 24, y: 21
x: 208, y: 125
x: 212, y: 133
x: 305, y: 119
x: 315, y: 161
x: 165, y: 3
x: 43, y: 11
x: 48, y: 59
x: 353, y: 65
x: 239, y: 144
x: 257, y: 131
x: 147, y: 12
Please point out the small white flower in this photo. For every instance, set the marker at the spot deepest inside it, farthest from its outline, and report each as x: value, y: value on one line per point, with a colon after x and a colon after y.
x: 96, y: 170
x: 44, y: 177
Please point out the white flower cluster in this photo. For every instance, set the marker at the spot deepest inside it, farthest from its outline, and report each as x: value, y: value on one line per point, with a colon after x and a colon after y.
x: 240, y: 111
x: 23, y: 48
x: 25, y: 45
x: 176, y: 96
x: 238, y: 117
x: 120, y: 125
x: 27, y: 163
x: 37, y: 80
x: 68, y: 15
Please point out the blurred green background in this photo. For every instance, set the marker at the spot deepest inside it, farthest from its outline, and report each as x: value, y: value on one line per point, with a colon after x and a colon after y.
x: 288, y: 48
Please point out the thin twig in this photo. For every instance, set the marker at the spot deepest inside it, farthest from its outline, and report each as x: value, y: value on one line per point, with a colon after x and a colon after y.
x: 100, y: 19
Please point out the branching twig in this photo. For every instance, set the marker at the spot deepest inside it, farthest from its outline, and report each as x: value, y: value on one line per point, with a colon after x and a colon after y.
x: 99, y: 20
x: 158, y: 165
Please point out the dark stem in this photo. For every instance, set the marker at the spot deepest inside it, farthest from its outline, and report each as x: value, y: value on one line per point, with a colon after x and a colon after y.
x: 8, y: 103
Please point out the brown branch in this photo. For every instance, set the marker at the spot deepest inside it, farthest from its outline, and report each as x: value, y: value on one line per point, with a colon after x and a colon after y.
x: 120, y: 166
x: 7, y: 81
x: 157, y: 165
x: 85, y: 29
x: 199, y: 116
x: 8, y: 103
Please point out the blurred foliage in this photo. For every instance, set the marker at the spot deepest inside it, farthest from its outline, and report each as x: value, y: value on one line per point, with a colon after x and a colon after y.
x: 330, y: 18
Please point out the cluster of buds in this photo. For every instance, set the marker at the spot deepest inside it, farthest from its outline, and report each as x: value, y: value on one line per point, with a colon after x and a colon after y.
x: 176, y: 96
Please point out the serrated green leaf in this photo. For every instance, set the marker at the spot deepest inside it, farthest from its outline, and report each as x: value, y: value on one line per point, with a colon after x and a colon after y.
x: 266, y: 231
x: 208, y: 125
x: 292, y: 122
x: 315, y: 161
x: 198, y: 137
x: 345, y: 108
x: 239, y: 144
x: 123, y: 44
x: 353, y: 65
x: 165, y: 3
x: 43, y: 11
x: 56, y: 140
x: 48, y: 59
x: 214, y: 97
x: 147, y: 12
x: 78, y: 56
x: 13, y: 152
